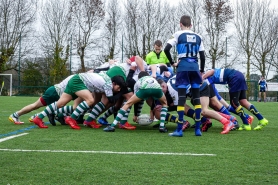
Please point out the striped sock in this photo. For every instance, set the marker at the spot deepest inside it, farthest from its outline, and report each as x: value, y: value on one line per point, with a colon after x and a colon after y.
x: 231, y: 109
x: 163, y: 116
x: 255, y: 112
x: 109, y: 112
x: 15, y: 115
x: 68, y: 109
x: 96, y: 111
x: 198, y: 110
x: 50, y: 109
x: 224, y: 110
x: 171, y: 118
x: 191, y: 113
x: 138, y: 107
x: 125, y: 117
x: 80, y: 109
x: 241, y: 113
x: 120, y: 115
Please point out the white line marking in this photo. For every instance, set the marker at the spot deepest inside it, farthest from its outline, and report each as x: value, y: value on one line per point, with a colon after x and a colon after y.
x: 106, y: 152
x: 11, y: 137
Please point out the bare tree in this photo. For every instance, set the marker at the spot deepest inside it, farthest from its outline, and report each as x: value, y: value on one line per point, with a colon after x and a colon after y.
x: 55, y: 36
x: 87, y: 16
x: 153, y: 22
x: 246, y: 22
x: 267, y: 36
x: 111, y: 32
x: 16, y: 21
x: 145, y: 22
x: 194, y: 9
x: 218, y: 14
x: 131, y: 16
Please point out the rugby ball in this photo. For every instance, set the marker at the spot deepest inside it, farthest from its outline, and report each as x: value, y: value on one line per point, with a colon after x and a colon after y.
x: 144, y: 120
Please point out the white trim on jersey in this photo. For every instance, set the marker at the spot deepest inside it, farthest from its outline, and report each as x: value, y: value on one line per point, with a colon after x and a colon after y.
x: 221, y: 75
x: 174, y: 39
x: 173, y: 93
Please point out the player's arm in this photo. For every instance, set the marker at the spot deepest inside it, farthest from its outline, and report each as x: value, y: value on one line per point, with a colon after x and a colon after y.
x: 266, y: 86
x: 97, y: 70
x: 202, y: 57
x: 208, y: 74
x: 203, y: 60
x: 109, y: 92
x: 129, y: 80
x: 167, y: 49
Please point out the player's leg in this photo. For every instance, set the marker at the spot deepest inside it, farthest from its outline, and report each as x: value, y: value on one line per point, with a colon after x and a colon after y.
x: 195, y: 85
x: 101, y: 104
x: 49, y: 96
x: 264, y: 93
x: 260, y: 95
x: 124, y: 124
x: 81, y: 108
x: 234, y: 101
x: 139, y: 62
x: 134, y: 99
x: 153, y: 69
x: 15, y: 116
x: 51, y: 109
x: 212, y: 114
x: 243, y: 101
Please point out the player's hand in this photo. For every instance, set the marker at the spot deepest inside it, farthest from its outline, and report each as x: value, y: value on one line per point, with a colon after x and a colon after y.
x: 135, y: 119
x: 175, y: 65
x: 151, y: 115
x: 128, y: 61
x: 133, y: 68
x: 111, y: 62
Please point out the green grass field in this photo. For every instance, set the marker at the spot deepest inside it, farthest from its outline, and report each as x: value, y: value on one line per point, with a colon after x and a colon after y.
x: 60, y: 155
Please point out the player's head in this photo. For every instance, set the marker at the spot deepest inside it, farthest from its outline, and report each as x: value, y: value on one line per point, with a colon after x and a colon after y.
x: 262, y: 77
x: 142, y: 74
x: 158, y: 46
x: 186, y: 21
x: 118, y: 83
x: 163, y: 85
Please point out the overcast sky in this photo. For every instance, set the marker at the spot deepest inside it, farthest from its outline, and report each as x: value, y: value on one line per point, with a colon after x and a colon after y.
x: 274, y: 4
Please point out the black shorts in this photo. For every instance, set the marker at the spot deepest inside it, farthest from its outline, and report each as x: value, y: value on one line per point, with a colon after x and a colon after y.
x: 205, y: 91
x: 211, y: 91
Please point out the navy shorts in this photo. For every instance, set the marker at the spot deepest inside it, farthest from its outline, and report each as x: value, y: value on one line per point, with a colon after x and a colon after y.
x: 188, y: 77
x: 237, y: 82
x: 262, y: 89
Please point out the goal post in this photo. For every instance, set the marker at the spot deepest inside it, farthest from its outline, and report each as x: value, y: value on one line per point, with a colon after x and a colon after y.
x: 6, y: 82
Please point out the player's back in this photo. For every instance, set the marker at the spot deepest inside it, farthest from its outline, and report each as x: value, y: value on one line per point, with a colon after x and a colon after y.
x: 96, y: 82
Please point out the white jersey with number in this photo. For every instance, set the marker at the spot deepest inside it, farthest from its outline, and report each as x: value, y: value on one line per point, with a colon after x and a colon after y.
x: 60, y: 88
x: 98, y: 82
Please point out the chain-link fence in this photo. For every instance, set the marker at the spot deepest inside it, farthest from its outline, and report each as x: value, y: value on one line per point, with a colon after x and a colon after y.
x: 27, y: 85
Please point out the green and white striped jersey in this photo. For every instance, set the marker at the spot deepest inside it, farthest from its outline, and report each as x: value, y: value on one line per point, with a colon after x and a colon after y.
x: 98, y: 82
x: 146, y: 82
